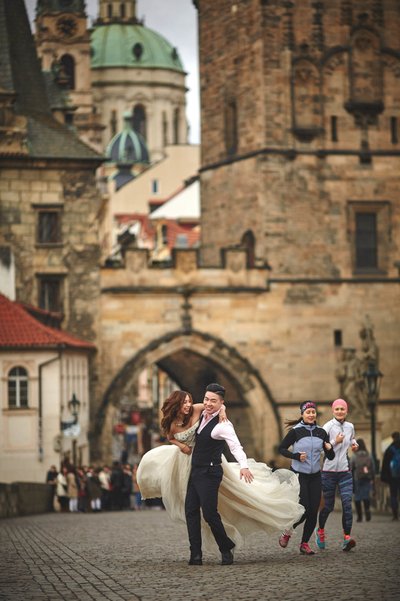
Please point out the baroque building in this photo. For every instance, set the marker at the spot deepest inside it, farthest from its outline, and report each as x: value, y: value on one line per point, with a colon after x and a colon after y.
x: 119, y: 66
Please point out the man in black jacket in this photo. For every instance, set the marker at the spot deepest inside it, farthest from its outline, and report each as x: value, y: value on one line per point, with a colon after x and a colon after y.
x: 390, y: 473
x: 206, y: 475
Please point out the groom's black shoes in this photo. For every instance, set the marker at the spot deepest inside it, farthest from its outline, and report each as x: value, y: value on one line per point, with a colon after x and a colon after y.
x: 226, y: 558
x: 195, y: 560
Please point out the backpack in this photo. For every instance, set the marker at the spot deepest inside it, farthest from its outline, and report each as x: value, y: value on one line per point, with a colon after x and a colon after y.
x: 395, y: 463
x: 363, y: 466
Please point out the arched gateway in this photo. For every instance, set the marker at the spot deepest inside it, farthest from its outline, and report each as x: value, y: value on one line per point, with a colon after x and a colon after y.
x: 193, y: 360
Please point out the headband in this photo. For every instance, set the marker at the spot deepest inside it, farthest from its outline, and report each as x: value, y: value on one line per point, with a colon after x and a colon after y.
x: 307, y: 405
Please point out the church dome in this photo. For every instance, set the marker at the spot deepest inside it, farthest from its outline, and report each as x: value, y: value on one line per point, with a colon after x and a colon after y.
x: 132, y: 45
x: 127, y: 147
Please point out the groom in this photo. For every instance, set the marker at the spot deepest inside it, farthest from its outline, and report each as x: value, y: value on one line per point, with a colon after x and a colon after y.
x: 206, y: 475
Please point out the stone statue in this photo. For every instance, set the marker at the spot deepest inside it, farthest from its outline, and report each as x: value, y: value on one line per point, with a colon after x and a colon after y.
x: 349, y: 374
x: 369, y: 348
x: 351, y: 368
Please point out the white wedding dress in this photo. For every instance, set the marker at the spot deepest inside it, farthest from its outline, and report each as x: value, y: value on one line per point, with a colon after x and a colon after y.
x: 269, y: 503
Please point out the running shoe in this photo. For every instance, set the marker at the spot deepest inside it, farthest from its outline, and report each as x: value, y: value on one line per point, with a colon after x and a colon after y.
x: 320, y: 538
x: 348, y: 543
x: 305, y: 549
x: 285, y: 538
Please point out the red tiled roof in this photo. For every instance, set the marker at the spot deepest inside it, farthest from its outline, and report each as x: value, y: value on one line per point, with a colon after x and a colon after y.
x: 18, y: 329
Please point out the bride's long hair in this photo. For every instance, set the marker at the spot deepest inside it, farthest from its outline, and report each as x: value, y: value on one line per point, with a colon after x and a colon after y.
x: 171, y: 408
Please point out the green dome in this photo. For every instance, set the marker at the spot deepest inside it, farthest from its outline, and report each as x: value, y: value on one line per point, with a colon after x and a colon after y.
x: 127, y: 147
x: 135, y: 46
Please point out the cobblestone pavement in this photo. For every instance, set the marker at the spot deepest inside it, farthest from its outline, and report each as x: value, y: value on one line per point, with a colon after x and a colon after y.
x: 132, y: 556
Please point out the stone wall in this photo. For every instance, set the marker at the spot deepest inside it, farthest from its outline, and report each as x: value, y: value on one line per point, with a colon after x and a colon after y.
x: 25, y: 498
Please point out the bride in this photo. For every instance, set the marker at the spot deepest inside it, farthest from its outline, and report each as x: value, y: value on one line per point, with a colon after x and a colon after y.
x: 269, y: 503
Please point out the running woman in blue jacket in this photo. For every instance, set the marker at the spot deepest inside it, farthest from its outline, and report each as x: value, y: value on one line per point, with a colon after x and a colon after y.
x: 307, y: 441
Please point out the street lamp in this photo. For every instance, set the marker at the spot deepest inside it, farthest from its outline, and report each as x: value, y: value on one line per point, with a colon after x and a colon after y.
x: 373, y: 380
x: 74, y: 405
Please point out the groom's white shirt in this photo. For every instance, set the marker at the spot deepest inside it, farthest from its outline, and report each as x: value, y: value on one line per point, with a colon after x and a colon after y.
x: 225, y: 431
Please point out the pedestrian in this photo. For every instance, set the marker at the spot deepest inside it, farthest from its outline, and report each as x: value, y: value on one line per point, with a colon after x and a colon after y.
x: 62, y: 489
x: 127, y: 486
x: 51, y: 479
x: 72, y: 489
x: 390, y: 473
x: 336, y: 474
x: 117, y: 483
x: 93, y: 489
x: 269, y: 504
x: 137, y: 497
x: 82, y: 492
x: 363, y: 477
x: 308, y: 441
x: 104, y: 478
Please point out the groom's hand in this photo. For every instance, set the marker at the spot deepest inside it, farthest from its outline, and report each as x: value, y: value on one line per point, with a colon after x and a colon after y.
x: 246, y: 474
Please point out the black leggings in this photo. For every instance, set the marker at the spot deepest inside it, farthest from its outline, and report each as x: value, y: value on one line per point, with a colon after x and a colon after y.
x: 310, y: 498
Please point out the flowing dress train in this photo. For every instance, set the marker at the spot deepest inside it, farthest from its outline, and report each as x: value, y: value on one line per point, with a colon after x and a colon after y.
x: 269, y: 503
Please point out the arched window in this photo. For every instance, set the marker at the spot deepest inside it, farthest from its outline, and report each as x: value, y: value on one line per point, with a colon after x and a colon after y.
x: 231, y: 133
x: 249, y: 243
x: 17, y: 388
x: 122, y: 10
x: 109, y: 11
x: 68, y: 65
x: 176, y: 125
x: 113, y: 123
x: 139, y: 120
x: 164, y: 128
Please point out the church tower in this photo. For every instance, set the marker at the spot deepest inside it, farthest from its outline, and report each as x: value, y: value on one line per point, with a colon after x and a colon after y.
x: 136, y: 70
x: 63, y: 44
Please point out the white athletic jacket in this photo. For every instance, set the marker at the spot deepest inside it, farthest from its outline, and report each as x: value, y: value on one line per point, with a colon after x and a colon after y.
x: 341, y: 461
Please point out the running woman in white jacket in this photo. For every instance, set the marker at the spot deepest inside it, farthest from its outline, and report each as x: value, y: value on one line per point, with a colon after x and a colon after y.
x: 336, y: 473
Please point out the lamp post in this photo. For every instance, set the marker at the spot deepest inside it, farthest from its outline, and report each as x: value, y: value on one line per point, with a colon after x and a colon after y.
x: 74, y: 405
x: 373, y: 380
x: 71, y: 428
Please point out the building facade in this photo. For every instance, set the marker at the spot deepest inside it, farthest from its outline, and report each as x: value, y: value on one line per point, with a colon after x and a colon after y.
x: 117, y: 66
x: 300, y: 219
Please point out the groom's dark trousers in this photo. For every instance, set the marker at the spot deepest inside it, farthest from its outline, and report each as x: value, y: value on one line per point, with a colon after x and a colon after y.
x: 202, y: 491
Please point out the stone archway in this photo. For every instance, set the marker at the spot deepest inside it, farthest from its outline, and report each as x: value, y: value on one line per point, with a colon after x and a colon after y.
x: 193, y: 360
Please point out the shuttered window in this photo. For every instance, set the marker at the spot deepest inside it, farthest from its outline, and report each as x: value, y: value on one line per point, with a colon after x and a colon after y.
x: 366, y: 241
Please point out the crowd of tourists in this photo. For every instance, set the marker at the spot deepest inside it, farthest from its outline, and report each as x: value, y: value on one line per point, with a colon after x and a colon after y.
x: 89, y: 489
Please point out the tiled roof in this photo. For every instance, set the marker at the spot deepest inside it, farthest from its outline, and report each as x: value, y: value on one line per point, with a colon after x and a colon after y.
x: 18, y: 329
x: 20, y: 73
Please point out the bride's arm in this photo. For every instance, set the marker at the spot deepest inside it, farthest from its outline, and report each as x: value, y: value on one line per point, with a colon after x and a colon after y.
x: 198, y: 408
x: 181, y: 445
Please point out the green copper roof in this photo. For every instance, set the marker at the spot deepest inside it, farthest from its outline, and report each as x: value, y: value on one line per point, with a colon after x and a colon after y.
x: 127, y: 147
x: 135, y: 46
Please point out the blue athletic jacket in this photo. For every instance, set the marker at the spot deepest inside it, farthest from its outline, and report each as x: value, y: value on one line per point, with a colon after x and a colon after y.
x: 309, y: 439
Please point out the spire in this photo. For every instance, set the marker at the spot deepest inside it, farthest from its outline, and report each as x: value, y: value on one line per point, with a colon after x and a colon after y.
x: 117, y: 12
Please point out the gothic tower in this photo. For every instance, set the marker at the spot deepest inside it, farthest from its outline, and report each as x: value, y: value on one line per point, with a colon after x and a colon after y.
x: 301, y: 169
x: 300, y: 135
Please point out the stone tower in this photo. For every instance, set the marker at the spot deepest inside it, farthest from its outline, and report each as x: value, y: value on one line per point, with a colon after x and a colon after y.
x: 300, y: 136
x: 63, y: 44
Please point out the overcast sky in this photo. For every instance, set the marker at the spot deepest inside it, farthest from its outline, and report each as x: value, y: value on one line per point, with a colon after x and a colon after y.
x: 176, y: 20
